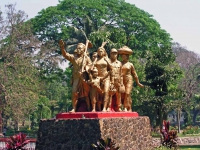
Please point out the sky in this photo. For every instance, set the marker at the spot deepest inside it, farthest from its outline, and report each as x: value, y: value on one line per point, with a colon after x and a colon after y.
x: 180, y: 18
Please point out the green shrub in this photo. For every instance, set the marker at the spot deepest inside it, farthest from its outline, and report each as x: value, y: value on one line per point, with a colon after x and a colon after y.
x: 191, y: 130
x: 155, y: 132
x: 169, y: 137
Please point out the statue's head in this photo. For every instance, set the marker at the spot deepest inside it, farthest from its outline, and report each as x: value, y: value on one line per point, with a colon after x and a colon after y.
x: 80, y: 48
x: 101, y: 52
x: 113, y: 53
x: 95, y: 72
x: 124, y: 56
x: 94, y: 56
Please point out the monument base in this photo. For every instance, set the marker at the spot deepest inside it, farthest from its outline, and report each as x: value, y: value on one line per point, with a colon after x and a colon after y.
x: 79, y: 115
x: 68, y: 133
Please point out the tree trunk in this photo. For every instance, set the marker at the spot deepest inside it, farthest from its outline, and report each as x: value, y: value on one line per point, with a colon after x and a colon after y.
x: 178, y: 120
x: 16, y: 126
x: 160, y: 118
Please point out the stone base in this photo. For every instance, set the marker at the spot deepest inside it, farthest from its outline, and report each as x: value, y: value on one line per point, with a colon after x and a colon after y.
x: 129, y: 133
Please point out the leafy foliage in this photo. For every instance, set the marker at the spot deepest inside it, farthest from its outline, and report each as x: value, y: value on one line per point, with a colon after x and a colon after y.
x: 17, y: 142
x: 189, y: 84
x: 106, y: 144
x: 191, y: 130
x: 19, y: 79
x: 119, y: 23
x: 162, y: 76
x: 169, y: 136
x: 115, y: 21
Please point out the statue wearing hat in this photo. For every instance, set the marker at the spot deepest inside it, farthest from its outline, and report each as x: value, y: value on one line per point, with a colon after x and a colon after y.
x: 128, y: 73
x: 110, y: 81
x: 115, y: 81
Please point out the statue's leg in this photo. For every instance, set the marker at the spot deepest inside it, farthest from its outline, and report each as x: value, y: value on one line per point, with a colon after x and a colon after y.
x: 130, y: 103
x: 74, y: 95
x: 106, y: 95
x: 93, y: 106
x: 125, y: 102
x: 105, y: 103
x: 128, y: 90
x: 93, y: 100
x: 109, y: 103
x: 74, y: 101
x: 118, y: 101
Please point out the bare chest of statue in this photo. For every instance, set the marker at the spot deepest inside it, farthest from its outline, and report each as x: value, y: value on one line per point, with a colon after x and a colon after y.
x: 102, y: 67
x: 126, y: 69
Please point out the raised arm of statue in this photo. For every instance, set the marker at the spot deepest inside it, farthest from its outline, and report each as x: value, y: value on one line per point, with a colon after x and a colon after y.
x: 64, y: 53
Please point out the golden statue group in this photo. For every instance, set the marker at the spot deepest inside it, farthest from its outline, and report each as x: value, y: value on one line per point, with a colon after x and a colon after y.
x: 105, y: 83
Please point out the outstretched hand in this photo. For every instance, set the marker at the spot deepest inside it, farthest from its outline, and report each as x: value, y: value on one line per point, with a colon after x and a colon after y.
x: 62, y: 44
x: 103, y: 44
x: 140, y: 85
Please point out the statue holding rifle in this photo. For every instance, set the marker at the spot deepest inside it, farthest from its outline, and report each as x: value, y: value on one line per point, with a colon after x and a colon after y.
x: 104, y: 83
x: 79, y: 62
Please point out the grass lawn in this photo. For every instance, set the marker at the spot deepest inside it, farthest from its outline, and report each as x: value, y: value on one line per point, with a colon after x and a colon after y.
x: 194, y: 147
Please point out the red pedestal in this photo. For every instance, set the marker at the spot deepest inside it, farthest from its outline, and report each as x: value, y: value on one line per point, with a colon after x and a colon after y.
x: 80, y: 115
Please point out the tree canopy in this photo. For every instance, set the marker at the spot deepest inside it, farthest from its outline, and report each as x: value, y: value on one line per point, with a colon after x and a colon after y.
x: 19, y: 82
x: 115, y: 21
x: 119, y: 23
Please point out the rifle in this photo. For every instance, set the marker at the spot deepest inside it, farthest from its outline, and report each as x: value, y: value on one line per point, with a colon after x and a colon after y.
x: 88, y: 44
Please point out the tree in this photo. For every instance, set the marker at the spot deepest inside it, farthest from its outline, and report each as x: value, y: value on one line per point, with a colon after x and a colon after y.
x: 115, y: 21
x: 58, y: 90
x: 189, y: 62
x: 119, y: 23
x: 162, y: 74
x: 19, y: 80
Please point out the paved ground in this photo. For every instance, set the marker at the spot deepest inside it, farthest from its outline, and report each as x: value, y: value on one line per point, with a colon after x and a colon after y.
x: 181, y: 141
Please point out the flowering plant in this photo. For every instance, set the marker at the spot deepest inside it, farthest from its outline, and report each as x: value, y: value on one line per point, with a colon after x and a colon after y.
x: 17, y: 142
x: 169, y: 136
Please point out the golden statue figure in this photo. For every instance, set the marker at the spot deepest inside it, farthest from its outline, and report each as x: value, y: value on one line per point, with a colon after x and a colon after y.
x: 105, y: 83
x: 103, y: 69
x: 116, y: 80
x: 128, y: 73
x: 79, y: 61
x: 95, y: 91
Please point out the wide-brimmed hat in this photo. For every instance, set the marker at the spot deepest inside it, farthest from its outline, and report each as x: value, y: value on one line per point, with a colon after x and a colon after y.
x: 125, y: 50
